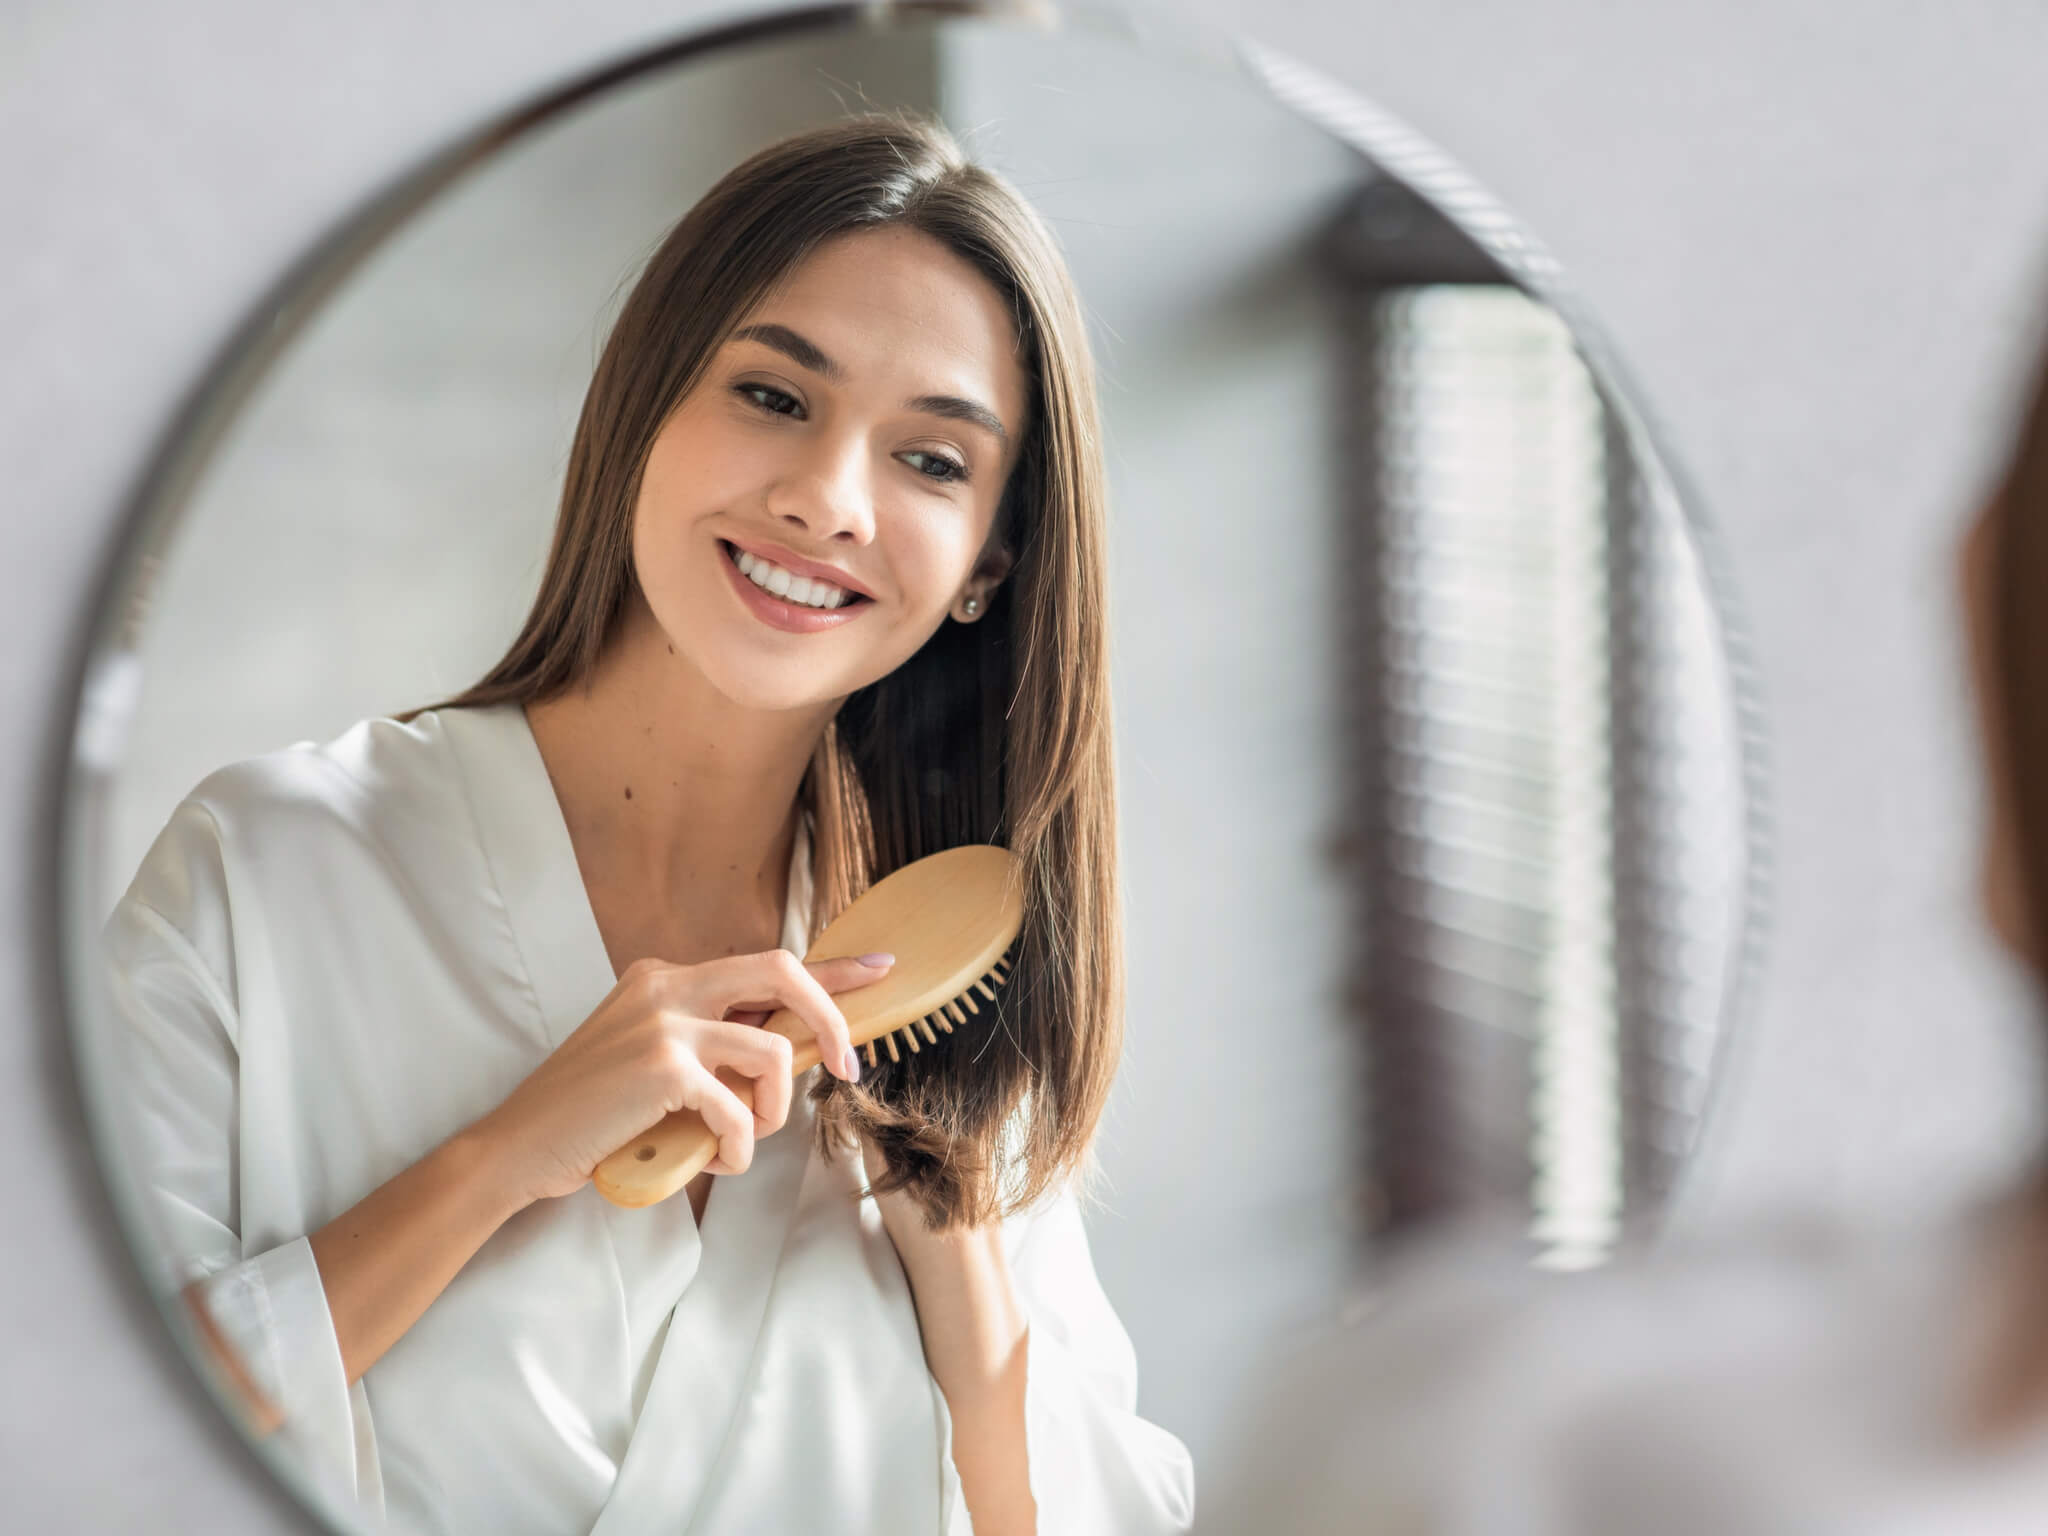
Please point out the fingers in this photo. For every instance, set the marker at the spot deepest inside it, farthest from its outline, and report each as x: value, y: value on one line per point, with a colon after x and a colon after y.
x: 759, y: 1054
x: 850, y: 974
x: 731, y: 1121
x: 778, y: 977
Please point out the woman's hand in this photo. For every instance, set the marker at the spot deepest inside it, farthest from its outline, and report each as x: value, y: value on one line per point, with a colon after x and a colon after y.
x: 654, y: 1046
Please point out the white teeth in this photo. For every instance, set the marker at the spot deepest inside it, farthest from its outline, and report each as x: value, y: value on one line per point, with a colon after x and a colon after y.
x: 808, y: 591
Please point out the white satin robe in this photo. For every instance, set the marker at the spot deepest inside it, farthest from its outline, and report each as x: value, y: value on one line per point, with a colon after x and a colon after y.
x: 336, y: 956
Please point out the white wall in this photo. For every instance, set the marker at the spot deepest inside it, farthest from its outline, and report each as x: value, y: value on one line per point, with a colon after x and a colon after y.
x: 1819, y: 234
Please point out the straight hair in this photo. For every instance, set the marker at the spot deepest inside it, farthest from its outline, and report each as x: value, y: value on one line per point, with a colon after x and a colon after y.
x: 993, y: 732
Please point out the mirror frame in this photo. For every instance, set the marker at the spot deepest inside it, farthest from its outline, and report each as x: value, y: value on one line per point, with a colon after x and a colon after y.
x: 83, y: 740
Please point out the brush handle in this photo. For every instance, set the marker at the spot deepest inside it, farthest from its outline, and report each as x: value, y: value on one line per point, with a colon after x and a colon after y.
x: 949, y: 918
x: 678, y: 1147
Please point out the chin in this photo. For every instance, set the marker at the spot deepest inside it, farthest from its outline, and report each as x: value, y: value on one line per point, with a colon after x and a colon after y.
x: 773, y: 690
x: 771, y: 696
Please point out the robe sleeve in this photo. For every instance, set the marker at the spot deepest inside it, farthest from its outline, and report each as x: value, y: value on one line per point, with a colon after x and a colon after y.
x: 1096, y: 1467
x: 171, y: 969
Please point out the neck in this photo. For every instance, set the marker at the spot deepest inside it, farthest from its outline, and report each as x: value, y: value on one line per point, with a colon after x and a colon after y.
x: 675, y: 797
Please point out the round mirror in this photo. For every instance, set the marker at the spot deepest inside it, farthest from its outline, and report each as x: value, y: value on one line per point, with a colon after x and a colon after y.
x: 1435, y: 798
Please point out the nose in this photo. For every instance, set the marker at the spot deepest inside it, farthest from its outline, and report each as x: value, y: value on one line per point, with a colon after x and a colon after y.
x: 826, y: 491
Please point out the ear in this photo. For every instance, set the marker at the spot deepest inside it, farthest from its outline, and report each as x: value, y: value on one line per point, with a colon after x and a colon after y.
x: 989, y: 572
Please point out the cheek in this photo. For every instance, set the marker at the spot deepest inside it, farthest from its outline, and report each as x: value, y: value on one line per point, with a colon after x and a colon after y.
x: 656, y: 537
x: 700, y: 455
x: 690, y: 471
x: 934, y: 566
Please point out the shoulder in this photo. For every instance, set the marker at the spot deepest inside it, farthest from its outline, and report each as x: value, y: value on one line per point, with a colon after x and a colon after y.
x: 375, y: 765
x: 379, y: 788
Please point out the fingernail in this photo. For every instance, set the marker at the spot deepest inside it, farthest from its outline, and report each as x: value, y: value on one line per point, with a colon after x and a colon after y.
x: 877, y: 961
x: 852, y: 1073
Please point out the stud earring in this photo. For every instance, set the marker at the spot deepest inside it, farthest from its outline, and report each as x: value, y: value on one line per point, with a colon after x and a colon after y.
x: 972, y: 606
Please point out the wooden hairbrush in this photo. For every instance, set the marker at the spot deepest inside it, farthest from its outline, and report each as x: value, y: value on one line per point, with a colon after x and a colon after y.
x: 949, y: 919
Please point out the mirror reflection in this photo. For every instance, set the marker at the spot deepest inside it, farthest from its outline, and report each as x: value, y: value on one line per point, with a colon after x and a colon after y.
x: 792, y: 463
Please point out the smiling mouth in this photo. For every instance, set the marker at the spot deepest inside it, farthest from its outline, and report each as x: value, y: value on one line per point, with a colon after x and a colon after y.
x: 802, y: 586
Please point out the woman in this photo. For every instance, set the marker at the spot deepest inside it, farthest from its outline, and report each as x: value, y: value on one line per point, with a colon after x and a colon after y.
x: 1804, y: 1379
x: 825, y: 596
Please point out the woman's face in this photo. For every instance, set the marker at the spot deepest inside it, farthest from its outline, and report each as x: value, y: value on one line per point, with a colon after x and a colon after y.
x: 856, y: 430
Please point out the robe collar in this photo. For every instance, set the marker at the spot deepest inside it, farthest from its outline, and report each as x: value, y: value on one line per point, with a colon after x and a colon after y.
x: 526, y: 843
x: 697, y: 1395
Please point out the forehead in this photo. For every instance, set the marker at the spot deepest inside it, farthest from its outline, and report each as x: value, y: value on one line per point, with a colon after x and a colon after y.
x: 895, y: 306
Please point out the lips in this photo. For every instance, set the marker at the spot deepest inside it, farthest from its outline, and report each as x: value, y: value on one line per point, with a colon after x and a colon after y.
x: 778, y: 613
x: 796, y: 565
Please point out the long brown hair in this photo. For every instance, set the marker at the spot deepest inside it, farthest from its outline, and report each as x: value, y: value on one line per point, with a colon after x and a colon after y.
x: 2008, y: 575
x: 994, y: 732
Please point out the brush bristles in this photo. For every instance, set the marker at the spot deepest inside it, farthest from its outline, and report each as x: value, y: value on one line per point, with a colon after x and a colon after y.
x: 945, y: 1016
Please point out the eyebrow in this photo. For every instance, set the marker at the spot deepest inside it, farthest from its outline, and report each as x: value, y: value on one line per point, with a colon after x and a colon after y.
x: 805, y: 354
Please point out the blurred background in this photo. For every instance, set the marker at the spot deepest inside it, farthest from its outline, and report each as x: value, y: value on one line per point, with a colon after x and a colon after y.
x: 1769, y: 235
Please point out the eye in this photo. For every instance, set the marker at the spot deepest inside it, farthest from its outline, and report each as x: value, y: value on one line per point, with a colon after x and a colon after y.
x: 766, y: 397
x: 936, y: 466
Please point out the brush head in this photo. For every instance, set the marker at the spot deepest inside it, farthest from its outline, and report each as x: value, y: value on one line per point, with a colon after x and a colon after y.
x: 949, y: 919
